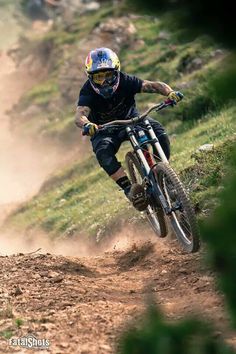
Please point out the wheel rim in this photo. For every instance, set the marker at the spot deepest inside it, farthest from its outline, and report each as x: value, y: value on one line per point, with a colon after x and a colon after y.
x: 153, y: 219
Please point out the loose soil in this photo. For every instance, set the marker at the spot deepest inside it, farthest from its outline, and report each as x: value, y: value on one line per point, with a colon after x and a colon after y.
x: 82, y: 304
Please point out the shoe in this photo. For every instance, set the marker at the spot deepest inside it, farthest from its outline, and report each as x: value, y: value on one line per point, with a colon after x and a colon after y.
x: 138, y: 197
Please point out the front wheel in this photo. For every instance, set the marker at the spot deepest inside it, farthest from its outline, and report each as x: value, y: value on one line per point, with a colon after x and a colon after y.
x: 154, y: 212
x: 182, y: 217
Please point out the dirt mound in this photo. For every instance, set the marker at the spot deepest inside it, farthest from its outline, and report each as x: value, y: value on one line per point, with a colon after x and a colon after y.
x: 135, y: 256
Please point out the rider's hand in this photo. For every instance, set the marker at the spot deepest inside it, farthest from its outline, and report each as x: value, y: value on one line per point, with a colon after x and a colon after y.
x: 175, y: 96
x: 89, y: 129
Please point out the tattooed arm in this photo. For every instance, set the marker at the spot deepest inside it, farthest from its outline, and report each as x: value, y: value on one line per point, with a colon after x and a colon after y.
x: 81, y: 117
x: 156, y: 87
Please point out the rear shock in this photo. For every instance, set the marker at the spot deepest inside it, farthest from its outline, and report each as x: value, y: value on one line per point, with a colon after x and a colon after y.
x: 149, y: 158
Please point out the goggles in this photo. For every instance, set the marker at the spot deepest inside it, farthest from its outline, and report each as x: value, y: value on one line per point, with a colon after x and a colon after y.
x: 104, y: 76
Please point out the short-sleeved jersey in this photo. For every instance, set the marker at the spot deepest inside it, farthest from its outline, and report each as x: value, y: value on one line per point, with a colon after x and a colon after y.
x: 120, y: 106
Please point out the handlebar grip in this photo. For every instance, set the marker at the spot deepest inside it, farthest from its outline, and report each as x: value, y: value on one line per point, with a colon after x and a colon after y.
x: 181, y: 96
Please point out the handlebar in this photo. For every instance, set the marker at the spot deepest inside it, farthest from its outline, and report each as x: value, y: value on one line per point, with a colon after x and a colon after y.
x: 156, y: 108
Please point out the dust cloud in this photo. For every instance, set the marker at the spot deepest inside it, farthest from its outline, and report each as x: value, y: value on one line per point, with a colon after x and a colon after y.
x: 24, y: 165
x: 39, y: 242
x: 129, y: 236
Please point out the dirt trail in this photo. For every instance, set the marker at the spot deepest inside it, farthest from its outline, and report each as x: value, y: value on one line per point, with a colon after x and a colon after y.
x: 81, y: 305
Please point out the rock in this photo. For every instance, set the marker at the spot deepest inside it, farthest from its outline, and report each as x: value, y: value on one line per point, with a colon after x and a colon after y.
x: 205, y: 147
x: 91, y: 6
x: 163, y: 35
x: 183, y: 271
x: 17, y: 291
x: 52, y: 274
x: 105, y: 347
x: 139, y: 43
x: 57, y: 279
x: 48, y: 326
x: 164, y: 271
x: 120, y: 32
x: 218, y: 53
x: 36, y: 276
x: 195, y: 64
x: 64, y: 345
x: 62, y: 201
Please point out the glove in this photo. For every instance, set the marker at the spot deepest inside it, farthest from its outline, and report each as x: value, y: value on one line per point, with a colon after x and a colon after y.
x: 89, y: 129
x: 175, y: 96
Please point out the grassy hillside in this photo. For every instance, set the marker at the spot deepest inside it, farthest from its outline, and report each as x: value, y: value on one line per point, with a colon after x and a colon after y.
x: 82, y: 199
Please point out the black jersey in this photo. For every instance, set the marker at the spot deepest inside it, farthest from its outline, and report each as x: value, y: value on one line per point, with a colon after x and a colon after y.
x: 120, y: 106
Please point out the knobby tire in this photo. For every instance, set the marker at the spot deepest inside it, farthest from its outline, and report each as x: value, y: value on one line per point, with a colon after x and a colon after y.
x: 187, y: 236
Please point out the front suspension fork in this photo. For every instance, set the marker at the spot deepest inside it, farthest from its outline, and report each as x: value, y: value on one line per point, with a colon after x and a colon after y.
x: 150, y: 180
x: 157, y: 192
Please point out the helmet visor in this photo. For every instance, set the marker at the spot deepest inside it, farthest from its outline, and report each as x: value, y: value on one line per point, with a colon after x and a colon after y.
x: 103, y: 77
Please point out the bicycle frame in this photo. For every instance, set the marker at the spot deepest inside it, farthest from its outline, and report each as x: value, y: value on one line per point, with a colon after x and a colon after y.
x: 156, y: 177
x: 130, y: 124
x: 149, y: 170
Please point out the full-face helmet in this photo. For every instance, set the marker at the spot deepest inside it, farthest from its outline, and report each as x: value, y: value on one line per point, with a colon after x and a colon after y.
x: 103, y: 70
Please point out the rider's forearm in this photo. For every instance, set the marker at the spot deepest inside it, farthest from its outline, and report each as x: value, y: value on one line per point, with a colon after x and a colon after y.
x: 156, y: 87
x: 81, y: 117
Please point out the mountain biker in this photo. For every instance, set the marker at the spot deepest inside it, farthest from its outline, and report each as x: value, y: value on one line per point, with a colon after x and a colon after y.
x: 107, y: 95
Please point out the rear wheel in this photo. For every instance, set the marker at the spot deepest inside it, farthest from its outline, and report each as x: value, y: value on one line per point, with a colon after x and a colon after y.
x: 182, y: 218
x: 154, y: 212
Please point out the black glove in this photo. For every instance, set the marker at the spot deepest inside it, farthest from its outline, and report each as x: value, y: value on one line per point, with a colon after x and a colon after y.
x: 175, y: 96
x: 89, y: 129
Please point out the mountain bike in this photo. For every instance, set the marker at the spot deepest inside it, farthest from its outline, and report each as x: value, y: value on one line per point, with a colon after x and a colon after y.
x: 167, y: 197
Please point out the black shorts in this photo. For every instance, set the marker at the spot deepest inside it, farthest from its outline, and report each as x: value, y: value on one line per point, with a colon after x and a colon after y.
x: 107, y: 143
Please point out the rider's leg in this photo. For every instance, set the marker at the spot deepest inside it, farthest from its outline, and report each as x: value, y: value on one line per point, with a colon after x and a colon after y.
x: 105, y: 148
x: 121, y: 178
x: 134, y: 192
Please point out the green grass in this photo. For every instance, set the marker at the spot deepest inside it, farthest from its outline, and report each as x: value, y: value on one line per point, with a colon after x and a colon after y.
x: 19, y: 322
x: 204, y: 179
x: 213, y: 129
x: 7, y: 334
x: 42, y: 94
